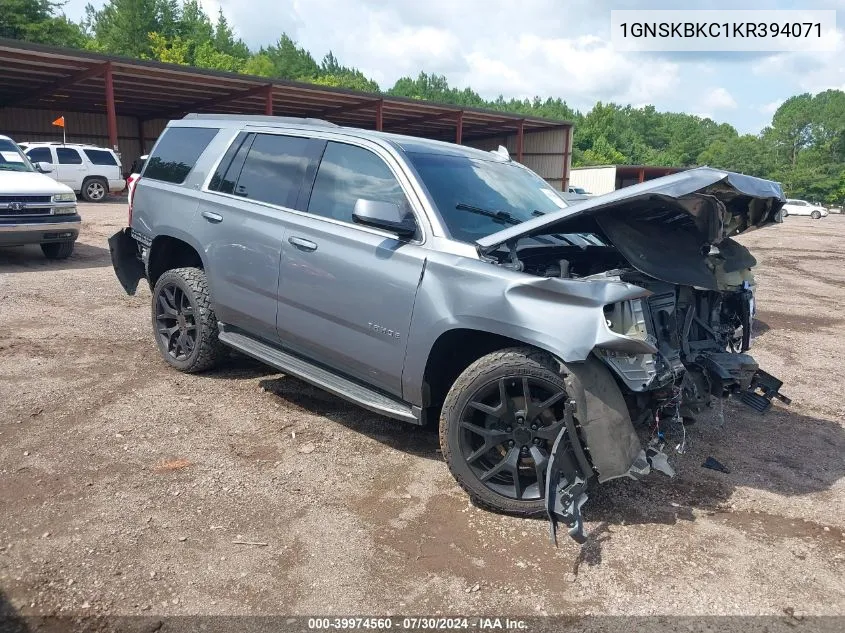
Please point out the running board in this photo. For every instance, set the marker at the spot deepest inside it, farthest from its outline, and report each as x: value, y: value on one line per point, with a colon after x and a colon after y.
x: 320, y: 377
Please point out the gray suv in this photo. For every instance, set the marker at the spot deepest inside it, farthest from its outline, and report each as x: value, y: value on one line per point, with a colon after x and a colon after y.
x: 428, y: 281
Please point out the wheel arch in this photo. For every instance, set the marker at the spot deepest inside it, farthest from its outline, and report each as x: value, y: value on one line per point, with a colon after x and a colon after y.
x: 167, y: 252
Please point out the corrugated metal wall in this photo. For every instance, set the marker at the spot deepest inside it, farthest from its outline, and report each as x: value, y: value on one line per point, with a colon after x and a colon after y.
x: 596, y: 180
x: 25, y: 124
x: 542, y: 152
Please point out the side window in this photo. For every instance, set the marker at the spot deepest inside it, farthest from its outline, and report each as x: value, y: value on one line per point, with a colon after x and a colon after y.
x: 274, y: 169
x: 100, y: 157
x: 227, y: 172
x: 68, y: 156
x: 348, y: 173
x: 40, y: 155
x: 177, y: 152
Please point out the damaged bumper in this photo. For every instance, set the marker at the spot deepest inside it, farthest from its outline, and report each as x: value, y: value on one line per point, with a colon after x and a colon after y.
x: 570, y: 473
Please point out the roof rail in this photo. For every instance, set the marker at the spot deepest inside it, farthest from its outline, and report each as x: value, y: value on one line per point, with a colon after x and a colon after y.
x: 258, y: 118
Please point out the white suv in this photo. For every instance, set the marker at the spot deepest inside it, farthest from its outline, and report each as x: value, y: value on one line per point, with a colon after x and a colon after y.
x: 90, y: 171
x: 802, y: 207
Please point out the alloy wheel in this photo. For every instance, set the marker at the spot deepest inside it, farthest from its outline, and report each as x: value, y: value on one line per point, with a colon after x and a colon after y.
x: 176, y: 324
x: 507, y: 429
x: 95, y: 190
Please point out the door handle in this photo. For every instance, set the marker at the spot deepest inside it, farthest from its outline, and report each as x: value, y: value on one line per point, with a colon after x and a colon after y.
x: 302, y: 244
x: 211, y: 216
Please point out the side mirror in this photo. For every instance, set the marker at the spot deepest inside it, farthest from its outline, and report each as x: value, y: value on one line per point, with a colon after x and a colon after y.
x: 385, y: 215
x: 44, y: 168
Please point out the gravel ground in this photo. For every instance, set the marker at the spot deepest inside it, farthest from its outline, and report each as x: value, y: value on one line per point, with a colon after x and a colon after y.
x: 124, y: 485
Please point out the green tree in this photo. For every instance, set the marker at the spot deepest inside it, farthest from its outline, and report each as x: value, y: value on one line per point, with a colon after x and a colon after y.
x: 291, y: 61
x: 39, y: 21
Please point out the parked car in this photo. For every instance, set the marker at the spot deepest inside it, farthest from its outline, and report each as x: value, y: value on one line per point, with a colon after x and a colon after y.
x: 802, y: 207
x: 135, y: 173
x: 34, y: 208
x: 428, y: 281
x: 90, y: 171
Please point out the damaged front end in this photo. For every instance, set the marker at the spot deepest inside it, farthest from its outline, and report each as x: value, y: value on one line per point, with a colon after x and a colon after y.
x: 672, y: 238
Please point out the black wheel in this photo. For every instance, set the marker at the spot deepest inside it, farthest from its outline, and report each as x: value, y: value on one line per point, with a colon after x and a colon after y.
x: 184, y: 323
x: 815, y: 215
x: 58, y: 250
x: 497, y: 427
x: 95, y: 189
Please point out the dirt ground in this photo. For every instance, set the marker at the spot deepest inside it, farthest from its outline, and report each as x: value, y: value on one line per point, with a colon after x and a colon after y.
x: 124, y: 484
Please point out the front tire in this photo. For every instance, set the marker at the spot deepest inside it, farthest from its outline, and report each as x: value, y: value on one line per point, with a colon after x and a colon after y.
x: 184, y: 323
x: 497, y: 426
x: 815, y: 215
x: 58, y: 250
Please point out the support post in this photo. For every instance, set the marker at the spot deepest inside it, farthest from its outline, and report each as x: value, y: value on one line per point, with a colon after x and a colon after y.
x: 567, y: 157
x: 641, y: 175
x: 459, y: 127
x: 380, y: 115
x: 110, y: 112
x: 141, y: 139
x: 520, y: 140
x: 268, y: 100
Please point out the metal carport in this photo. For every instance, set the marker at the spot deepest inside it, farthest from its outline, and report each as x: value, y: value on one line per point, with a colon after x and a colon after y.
x: 125, y: 103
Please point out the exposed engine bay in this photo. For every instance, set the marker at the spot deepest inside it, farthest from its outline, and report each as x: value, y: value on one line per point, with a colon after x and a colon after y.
x: 696, y: 312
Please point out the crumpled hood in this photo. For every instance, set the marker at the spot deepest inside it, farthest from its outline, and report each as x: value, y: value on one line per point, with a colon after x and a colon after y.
x: 717, y: 204
x: 676, y: 229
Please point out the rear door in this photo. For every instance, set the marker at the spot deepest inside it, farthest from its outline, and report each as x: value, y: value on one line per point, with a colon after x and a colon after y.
x: 243, y: 224
x: 347, y: 291
x: 71, y: 167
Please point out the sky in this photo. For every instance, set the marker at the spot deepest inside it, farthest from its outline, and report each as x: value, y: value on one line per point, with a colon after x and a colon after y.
x: 548, y: 48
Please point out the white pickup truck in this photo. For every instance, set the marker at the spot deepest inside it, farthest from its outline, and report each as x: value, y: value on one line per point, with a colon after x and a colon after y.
x: 34, y: 208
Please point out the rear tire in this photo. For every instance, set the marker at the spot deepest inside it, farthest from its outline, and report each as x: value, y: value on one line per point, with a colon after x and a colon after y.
x: 95, y: 189
x: 58, y: 250
x: 184, y: 323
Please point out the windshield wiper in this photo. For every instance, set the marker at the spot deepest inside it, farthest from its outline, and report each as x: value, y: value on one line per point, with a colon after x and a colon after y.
x: 499, y: 216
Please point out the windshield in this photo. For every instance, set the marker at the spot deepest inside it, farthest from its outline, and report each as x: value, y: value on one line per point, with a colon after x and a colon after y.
x: 11, y: 158
x: 479, y: 197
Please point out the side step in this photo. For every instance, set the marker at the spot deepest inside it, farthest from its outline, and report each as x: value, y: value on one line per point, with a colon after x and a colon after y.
x: 320, y: 377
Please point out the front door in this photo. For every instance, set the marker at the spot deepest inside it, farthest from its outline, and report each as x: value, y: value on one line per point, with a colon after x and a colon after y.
x: 346, y: 292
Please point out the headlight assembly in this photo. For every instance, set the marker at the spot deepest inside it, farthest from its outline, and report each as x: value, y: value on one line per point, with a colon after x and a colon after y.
x: 64, y: 197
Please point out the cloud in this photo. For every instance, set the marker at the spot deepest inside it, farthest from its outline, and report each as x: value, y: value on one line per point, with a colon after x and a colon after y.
x: 771, y: 108
x: 810, y: 71
x: 719, y: 99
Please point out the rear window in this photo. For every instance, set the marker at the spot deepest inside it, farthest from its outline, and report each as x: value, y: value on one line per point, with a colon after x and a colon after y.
x: 274, y: 168
x: 177, y: 152
x: 100, y: 157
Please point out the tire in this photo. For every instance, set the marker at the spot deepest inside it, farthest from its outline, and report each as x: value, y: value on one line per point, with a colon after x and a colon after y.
x: 815, y: 215
x: 510, y: 365
x: 785, y: 213
x: 58, y: 250
x: 95, y: 189
x: 184, y: 323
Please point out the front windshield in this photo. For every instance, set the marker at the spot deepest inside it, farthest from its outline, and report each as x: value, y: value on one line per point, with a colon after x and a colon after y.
x: 11, y: 158
x: 478, y: 197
